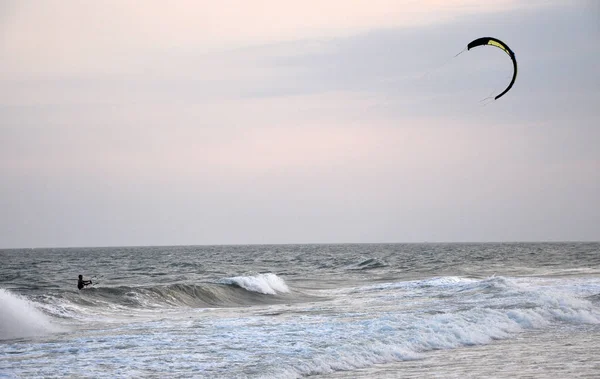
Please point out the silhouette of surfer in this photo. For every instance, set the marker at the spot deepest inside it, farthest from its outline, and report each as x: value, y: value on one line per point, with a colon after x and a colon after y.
x: 82, y: 283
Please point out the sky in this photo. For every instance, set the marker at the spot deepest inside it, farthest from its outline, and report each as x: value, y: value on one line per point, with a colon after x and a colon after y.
x: 130, y: 123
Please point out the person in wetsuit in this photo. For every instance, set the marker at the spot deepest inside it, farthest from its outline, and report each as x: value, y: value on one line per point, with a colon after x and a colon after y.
x: 82, y: 283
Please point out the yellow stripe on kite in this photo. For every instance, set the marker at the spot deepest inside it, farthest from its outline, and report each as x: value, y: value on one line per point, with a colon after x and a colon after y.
x: 494, y: 43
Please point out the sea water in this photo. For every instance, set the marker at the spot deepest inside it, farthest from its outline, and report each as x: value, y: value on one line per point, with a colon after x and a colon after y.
x: 292, y: 311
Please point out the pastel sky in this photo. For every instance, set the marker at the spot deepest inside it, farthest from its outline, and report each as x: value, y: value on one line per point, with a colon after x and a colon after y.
x: 230, y: 122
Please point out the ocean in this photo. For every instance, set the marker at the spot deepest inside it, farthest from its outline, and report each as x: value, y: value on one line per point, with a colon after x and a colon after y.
x: 494, y: 310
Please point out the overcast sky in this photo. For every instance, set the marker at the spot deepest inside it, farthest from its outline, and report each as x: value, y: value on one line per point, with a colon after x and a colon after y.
x: 268, y: 121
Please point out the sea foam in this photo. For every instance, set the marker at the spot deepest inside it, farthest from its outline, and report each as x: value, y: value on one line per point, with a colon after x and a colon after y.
x: 19, y: 318
x: 268, y: 284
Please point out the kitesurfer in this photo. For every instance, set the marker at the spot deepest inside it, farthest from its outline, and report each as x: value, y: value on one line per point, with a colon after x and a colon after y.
x: 82, y: 283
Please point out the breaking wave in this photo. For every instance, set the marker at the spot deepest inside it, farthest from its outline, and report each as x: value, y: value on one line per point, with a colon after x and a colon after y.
x: 268, y: 284
x: 473, y: 312
x: 228, y: 292
x: 20, y: 318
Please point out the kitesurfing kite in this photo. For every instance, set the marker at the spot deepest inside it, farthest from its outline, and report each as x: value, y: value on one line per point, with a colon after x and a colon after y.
x: 489, y: 41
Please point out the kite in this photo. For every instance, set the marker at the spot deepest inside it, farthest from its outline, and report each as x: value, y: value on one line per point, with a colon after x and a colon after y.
x: 489, y: 41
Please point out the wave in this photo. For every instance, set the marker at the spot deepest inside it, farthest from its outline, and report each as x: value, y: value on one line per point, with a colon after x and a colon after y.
x: 367, y: 264
x: 475, y: 312
x: 20, y: 318
x: 268, y: 284
x: 594, y: 298
x: 41, y: 314
x: 227, y: 292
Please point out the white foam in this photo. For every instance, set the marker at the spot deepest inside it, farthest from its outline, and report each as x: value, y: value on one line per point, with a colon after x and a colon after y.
x: 406, y: 337
x: 479, y: 317
x: 19, y: 317
x: 268, y: 284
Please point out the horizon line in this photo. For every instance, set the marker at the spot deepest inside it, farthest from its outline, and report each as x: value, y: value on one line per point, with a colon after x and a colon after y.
x: 307, y: 243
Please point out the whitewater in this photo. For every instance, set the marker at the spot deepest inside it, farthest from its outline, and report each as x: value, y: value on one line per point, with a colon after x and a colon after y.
x: 292, y: 311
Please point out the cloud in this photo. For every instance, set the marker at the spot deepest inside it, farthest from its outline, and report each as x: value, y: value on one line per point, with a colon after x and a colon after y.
x: 72, y: 37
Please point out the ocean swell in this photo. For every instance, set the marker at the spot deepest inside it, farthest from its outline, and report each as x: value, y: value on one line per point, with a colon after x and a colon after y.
x: 228, y: 292
x: 367, y: 264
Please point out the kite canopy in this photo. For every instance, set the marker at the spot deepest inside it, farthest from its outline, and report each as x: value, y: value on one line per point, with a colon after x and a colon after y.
x: 489, y: 41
